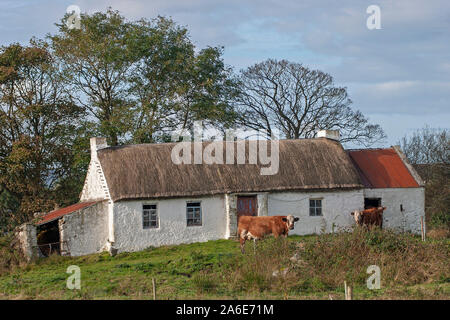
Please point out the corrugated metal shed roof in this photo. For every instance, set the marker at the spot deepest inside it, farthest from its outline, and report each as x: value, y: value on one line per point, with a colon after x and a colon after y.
x: 53, y: 215
x: 382, y: 168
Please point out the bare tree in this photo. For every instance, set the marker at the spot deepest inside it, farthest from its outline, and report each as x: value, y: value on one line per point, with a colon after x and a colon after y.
x: 299, y: 102
x: 428, y: 150
x: 427, y: 146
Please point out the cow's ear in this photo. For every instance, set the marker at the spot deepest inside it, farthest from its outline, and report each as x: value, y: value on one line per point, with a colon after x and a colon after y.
x: 284, y: 219
x: 296, y: 219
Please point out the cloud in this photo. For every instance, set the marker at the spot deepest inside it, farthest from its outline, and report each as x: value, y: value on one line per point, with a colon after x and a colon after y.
x: 403, y: 68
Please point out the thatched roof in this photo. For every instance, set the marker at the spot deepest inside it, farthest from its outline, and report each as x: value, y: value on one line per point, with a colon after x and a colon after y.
x: 147, y: 171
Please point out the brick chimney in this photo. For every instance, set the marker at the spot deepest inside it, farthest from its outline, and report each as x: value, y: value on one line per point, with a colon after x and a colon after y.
x: 329, y: 134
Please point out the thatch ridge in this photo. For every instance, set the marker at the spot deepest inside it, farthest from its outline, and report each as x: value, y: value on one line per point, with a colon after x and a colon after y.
x: 146, y: 171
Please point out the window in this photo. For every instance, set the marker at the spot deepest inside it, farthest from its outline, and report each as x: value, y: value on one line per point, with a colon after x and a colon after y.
x: 315, y: 207
x: 150, y: 216
x: 193, y: 214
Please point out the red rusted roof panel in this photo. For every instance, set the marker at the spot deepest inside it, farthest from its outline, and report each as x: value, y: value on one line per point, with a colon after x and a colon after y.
x: 382, y: 168
x: 63, y: 211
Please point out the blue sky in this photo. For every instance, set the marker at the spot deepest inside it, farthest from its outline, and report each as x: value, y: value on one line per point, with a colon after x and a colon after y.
x: 399, y: 75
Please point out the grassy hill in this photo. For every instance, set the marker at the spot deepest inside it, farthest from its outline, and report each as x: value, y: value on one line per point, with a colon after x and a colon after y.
x: 217, y: 270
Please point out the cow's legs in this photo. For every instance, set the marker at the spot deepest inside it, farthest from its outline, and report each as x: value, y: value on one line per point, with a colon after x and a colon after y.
x: 242, y: 241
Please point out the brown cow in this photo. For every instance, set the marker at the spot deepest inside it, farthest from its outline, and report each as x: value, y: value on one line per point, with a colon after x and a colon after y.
x: 369, y: 217
x: 256, y: 228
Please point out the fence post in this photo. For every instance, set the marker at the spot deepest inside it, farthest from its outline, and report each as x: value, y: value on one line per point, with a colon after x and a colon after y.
x: 154, y: 288
x: 345, y: 290
x: 348, y: 291
x: 422, y: 228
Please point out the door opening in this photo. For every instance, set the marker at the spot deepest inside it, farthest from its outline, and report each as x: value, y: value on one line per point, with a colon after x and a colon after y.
x: 48, y: 238
x: 372, y: 203
x: 246, y: 206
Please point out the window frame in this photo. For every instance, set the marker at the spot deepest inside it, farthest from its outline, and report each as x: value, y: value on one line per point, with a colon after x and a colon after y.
x: 194, y: 213
x: 150, y: 220
x: 316, y: 207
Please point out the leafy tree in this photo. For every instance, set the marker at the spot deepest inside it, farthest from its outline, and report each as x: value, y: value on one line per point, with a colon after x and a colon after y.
x: 96, y: 61
x: 299, y: 101
x: 142, y: 79
x: 37, y: 122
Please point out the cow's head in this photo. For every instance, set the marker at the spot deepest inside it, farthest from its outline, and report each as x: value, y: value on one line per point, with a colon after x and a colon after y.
x: 358, y: 216
x: 290, y: 220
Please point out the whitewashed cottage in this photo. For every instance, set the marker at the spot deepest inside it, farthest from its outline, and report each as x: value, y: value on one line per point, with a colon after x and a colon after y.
x: 134, y: 196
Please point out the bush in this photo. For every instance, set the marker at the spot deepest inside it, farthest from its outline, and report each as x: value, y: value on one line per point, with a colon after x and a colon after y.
x: 323, y: 263
x: 440, y: 220
x: 254, y: 271
x: 10, y: 255
x: 402, y: 258
x: 204, y: 282
x: 439, y: 234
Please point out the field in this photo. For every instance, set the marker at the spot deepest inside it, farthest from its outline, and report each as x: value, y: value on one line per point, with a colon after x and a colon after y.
x: 410, y: 269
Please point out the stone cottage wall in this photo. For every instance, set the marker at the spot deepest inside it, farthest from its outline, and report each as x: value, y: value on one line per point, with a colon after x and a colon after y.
x: 85, y: 231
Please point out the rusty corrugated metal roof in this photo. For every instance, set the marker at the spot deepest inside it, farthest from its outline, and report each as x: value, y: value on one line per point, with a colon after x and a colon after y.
x: 382, y: 168
x: 53, y: 215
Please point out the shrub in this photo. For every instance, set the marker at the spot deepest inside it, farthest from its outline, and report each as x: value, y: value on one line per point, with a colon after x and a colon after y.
x: 440, y: 220
x: 324, y: 262
x: 402, y: 258
x: 255, y: 269
x: 10, y: 255
x: 204, y: 282
x: 439, y: 234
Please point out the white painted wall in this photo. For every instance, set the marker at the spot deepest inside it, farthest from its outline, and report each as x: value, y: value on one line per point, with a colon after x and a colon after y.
x: 120, y: 224
x: 129, y: 234
x: 85, y: 231
x: 95, y: 184
x: 336, y: 208
x: 413, y: 201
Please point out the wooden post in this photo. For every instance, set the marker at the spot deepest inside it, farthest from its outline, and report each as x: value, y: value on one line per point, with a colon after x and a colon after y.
x: 154, y: 288
x: 422, y: 228
x: 348, y: 291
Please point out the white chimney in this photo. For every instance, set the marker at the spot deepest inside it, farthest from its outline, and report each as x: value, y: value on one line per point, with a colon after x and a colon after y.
x: 97, y: 144
x: 329, y: 134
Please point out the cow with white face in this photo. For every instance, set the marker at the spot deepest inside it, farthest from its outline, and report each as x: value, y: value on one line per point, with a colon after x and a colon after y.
x: 290, y: 220
x: 256, y: 228
x: 369, y: 217
x: 358, y: 216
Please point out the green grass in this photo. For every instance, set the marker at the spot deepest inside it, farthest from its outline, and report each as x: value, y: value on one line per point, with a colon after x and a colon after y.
x: 208, y: 270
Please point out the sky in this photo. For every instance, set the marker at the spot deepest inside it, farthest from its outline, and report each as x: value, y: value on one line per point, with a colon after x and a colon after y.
x: 398, y: 75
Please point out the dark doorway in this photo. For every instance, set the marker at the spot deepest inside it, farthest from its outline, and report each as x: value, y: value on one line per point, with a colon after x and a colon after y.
x: 246, y: 206
x: 48, y: 239
x: 372, y: 203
